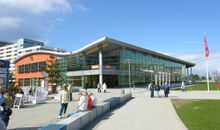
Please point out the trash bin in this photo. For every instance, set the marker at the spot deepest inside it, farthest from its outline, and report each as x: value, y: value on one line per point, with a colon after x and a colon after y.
x: 122, y: 92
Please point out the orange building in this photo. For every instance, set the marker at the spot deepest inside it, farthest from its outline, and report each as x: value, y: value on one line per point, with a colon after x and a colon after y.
x: 30, y: 68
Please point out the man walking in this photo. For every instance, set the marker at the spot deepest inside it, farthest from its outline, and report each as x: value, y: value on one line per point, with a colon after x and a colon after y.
x: 64, y: 100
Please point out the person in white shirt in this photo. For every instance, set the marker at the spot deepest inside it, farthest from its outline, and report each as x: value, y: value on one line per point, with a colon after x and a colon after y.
x: 94, y: 100
x: 64, y: 100
x: 104, y: 87
x: 82, y: 104
x: 183, y: 86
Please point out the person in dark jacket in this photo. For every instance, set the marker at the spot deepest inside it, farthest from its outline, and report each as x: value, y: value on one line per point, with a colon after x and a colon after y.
x: 152, y: 87
x: 5, y: 113
x: 157, y: 88
x: 166, y: 90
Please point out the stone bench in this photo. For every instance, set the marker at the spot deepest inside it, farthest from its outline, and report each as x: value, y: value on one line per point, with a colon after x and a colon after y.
x: 80, y: 120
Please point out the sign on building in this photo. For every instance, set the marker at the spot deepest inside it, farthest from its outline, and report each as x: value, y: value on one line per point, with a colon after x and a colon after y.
x: 4, y: 66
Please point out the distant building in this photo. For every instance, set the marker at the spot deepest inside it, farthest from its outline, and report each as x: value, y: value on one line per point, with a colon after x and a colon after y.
x: 11, y: 51
x: 4, y: 73
x: 4, y: 43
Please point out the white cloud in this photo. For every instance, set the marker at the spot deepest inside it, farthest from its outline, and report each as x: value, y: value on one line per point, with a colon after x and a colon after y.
x: 9, y: 22
x: 38, y: 6
x: 81, y: 7
x: 34, y: 18
x: 199, y: 60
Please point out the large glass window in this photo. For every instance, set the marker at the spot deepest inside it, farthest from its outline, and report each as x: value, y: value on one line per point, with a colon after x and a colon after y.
x: 42, y: 66
x: 27, y: 82
x: 34, y: 67
x: 27, y: 68
x: 20, y: 82
x: 21, y: 69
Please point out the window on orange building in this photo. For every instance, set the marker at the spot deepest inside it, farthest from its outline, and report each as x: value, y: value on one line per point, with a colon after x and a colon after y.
x: 34, y: 67
x: 27, y: 68
x: 21, y: 69
x: 20, y: 82
x: 27, y: 82
x: 42, y: 66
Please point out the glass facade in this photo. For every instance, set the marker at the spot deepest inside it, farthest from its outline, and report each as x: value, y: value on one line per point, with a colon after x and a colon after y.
x: 143, y: 65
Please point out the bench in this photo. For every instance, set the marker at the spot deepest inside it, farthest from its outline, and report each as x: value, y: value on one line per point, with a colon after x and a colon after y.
x: 80, y: 120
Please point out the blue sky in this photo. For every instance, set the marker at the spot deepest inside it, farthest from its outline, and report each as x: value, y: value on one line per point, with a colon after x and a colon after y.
x: 173, y: 27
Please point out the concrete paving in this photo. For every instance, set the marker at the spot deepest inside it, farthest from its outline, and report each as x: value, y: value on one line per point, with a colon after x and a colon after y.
x: 35, y: 116
x: 141, y: 113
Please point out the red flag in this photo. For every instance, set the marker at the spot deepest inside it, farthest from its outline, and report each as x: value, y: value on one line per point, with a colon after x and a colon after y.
x: 206, y: 47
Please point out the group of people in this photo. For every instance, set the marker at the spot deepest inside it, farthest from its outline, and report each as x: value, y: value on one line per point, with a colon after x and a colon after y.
x: 5, y: 111
x: 102, y: 87
x: 156, y: 87
x: 86, y: 102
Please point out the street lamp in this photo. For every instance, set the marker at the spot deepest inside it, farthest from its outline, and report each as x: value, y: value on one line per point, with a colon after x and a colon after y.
x: 129, y: 72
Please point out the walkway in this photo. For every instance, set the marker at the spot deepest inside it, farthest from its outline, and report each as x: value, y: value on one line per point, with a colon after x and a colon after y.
x: 31, y: 117
x: 141, y: 113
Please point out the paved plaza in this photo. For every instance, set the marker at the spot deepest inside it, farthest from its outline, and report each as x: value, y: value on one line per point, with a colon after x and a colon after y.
x: 35, y: 116
x: 140, y: 113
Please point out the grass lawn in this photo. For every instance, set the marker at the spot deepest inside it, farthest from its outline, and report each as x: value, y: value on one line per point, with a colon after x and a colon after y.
x: 199, y: 114
x: 200, y: 86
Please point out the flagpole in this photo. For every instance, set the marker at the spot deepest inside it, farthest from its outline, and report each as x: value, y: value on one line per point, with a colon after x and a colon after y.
x: 207, y: 73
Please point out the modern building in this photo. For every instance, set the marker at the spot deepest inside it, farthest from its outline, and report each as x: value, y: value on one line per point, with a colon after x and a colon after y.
x: 11, y: 51
x: 106, y: 60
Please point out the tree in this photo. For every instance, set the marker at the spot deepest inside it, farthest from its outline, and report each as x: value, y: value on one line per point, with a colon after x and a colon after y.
x: 52, y: 70
x: 12, y: 89
x: 195, y: 77
x: 203, y: 78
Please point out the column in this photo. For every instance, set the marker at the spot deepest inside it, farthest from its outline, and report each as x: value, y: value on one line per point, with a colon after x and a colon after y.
x: 187, y: 74
x: 159, y: 75
x: 169, y: 78
x: 163, y: 78
x: 155, y: 78
x: 166, y: 77
x: 100, y: 67
x: 82, y: 81
x: 191, y: 73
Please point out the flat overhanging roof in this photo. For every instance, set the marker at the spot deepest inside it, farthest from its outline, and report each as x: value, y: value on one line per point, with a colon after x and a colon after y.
x: 108, y: 44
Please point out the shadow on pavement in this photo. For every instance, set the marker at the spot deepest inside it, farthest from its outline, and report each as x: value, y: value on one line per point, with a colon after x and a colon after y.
x: 103, y: 117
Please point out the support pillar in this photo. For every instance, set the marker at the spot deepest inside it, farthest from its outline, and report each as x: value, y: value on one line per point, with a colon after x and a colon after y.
x: 163, y: 78
x: 169, y: 78
x: 166, y: 77
x: 83, y: 81
x: 159, y: 75
x: 100, y: 67
x: 155, y: 77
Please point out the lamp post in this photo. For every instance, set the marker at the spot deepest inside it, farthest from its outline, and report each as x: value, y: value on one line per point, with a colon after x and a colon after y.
x: 129, y: 72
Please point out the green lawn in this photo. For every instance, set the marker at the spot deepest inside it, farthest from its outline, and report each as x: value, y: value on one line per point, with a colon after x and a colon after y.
x: 201, y: 86
x: 199, y: 114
